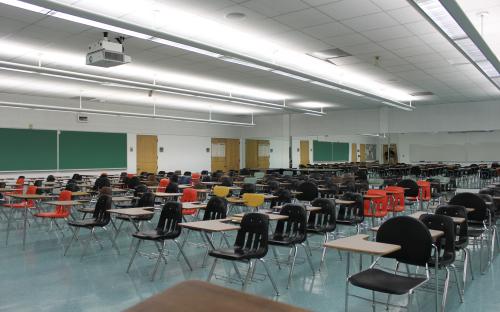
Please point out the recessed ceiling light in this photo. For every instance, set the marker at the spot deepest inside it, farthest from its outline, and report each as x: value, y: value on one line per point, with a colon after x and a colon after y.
x: 235, y: 15
x: 313, y: 104
x: 328, y: 54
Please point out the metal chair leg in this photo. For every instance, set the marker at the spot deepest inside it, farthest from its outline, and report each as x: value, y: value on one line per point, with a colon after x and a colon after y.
x: 72, y: 239
x: 134, y: 254
x: 270, y: 276
x: 276, y: 258
x: 445, y: 289
x: 324, y: 252
x: 158, y: 261
x: 86, y: 246
x: 457, y: 281
x: 249, y: 273
x: 292, y: 266
x: 183, y: 254
x: 308, y: 257
x: 212, y: 269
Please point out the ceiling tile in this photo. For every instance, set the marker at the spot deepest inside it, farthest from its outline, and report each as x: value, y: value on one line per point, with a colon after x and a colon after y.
x: 390, y: 4
x: 346, y: 40
x: 299, y: 41
x: 386, y: 33
x: 275, y: 7
x: 406, y: 15
x: 327, y: 30
x: 401, y: 43
x: 303, y: 19
x: 369, y: 22
x: 347, y: 9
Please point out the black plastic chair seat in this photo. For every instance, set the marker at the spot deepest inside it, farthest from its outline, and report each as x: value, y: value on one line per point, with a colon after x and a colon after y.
x: 88, y: 223
x: 349, y: 222
x: 233, y: 254
x: 474, y: 232
x: 155, y: 235
x: 316, y: 229
x: 138, y: 218
x: 385, y: 282
x: 285, y: 240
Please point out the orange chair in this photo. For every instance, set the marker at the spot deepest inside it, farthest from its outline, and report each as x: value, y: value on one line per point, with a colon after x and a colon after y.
x: 18, y: 188
x: 424, y: 191
x: 195, y: 178
x: 60, y: 212
x: 379, y: 204
x: 25, y: 203
x: 396, y: 200
x: 162, y: 186
x: 189, y: 195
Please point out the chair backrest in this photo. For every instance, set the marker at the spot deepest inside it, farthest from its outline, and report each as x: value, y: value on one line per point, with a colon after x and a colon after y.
x: 352, y: 212
x: 259, y: 174
x: 195, y: 178
x: 72, y: 186
x: 309, y: 191
x: 295, y: 226
x: 273, y: 186
x: 101, y: 214
x: 288, y: 173
x: 470, y: 200
x: 413, y: 237
x: 170, y: 217
x: 459, y: 212
x: 284, y: 197
x: 63, y: 211
x: 147, y: 200
x: 398, y: 197
x: 248, y: 188
x: 184, y: 179
x: 31, y: 190
x: 172, y: 187
x: 253, y: 200
x: 411, y: 187
x: 64, y: 195
x: 324, y: 219
x: 221, y: 191
x: 162, y: 186
x: 252, y: 237
x: 50, y: 178
x: 103, y: 181
x: 446, y: 242
x: 425, y: 190
x: 379, y: 204
x: 140, y: 190
x: 216, y: 208
x: 490, y: 205
x: 189, y: 195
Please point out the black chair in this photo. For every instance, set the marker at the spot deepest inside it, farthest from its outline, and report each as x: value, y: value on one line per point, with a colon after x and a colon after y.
x: 416, y: 249
x: 50, y: 178
x: 322, y: 222
x: 273, y: 186
x: 251, y: 245
x: 352, y: 214
x: 445, y: 250
x: 103, y: 181
x: 284, y: 196
x: 477, y: 220
x: 309, y: 191
x: 100, y: 218
x: 226, y: 181
x: 291, y: 233
x: 172, y: 187
x: 492, y: 221
x: 411, y: 191
x: 462, y: 240
x: 216, y: 209
x: 167, y: 229
x: 248, y: 188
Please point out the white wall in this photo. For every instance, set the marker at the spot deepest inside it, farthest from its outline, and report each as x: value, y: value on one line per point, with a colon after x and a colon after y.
x: 185, y: 153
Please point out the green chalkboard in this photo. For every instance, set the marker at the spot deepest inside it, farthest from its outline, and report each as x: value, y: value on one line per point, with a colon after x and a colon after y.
x: 92, y: 150
x: 330, y: 151
x: 340, y: 151
x: 26, y: 149
x: 322, y: 151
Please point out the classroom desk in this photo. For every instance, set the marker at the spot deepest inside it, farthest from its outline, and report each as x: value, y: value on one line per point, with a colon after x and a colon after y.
x: 79, y: 193
x: 371, y: 197
x: 272, y: 217
x: 132, y: 214
x: 235, y: 200
x: 69, y: 203
x: 344, y: 202
x: 184, y: 186
x: 360, y: 244
x: 26, y: 197
x: 198, y: 296
x: 308, y: 208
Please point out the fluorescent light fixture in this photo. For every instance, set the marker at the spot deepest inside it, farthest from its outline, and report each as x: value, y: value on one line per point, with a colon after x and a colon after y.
x: 448, y: 17
x: 313, y: 104
x: 324, y: 85
x: 371, y: 134
x: 400, y: 106
x: 279, y: 72
x: 183, y: 46
x: 314, y: 114
x: 244, y: 63
x: 124, y: 114
x: 351, y: 92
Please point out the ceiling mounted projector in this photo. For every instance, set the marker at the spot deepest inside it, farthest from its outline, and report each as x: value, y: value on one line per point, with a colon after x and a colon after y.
x: 105, y: 53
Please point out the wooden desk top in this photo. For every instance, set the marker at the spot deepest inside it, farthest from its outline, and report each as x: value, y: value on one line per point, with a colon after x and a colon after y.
x: 272, y: 217
x: 159, y: 194
x: 211, y: 183
x: 31, y: 196
x: 434, y: 233
x: 194, y: 205
x: 360, y: 244
x: 269, y: 196
x: 79, y: 193
x: 308, y: 208
x: 3, y: 190
x: 417, y: 215
x: 208, y: 298
x: 344, y: 202
x: 65, y: 202
x: 470, y: 209
x: 119, y: 190
x: 211, y: 225
x: 371, y: 196
x: 132, y: 212
x: 235, y: 200
x: 183, y: 186
x: 203, y: 190
x: 121, y: 198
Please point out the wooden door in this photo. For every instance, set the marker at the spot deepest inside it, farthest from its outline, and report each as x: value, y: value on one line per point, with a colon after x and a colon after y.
x: 257, y: 154
x: 225, y: 154
x: 304, y: 152
x: 362, y: 152
x: 354, y: 152
x: 147, y: 153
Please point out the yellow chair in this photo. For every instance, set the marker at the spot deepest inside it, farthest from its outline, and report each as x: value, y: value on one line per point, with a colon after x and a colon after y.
x: 253, y: 200
x: 221, y: 191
